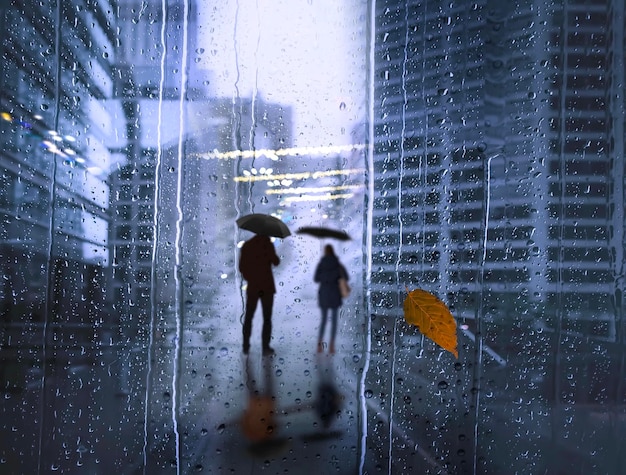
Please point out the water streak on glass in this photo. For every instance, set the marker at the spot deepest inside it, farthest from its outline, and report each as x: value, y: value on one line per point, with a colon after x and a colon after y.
x: 399, y: 283
x: 155, y: 232
x: 401, y: 157
x: 237, y: 104
x: 179, y: 311
x: 368, y: 226
x: 255, y: 85
x: 49, y: 254
x: 478, y: 364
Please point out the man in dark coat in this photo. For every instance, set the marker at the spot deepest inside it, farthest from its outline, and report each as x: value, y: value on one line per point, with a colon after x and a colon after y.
x: 255, y: 264
x: 327, y: 274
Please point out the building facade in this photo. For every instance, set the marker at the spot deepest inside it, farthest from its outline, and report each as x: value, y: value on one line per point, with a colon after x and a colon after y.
x: 484, y: 115
x: 498, y: 186
x: 58, y: 120
x: 55, y: 160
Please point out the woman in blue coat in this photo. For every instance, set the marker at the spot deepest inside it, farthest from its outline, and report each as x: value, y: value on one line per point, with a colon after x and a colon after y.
x: 327, y: 274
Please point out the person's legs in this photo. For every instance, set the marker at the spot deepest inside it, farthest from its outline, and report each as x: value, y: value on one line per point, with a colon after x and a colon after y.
x: 251, y: 303
x: 333, y: 328
x: 267, y: 302
x: 320, y: 334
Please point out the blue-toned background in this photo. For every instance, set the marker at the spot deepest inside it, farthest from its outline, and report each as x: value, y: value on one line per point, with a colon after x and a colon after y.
x: 473, y: 149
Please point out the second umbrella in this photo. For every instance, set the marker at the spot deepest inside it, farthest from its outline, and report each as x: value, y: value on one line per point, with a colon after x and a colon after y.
x: 323, y: 232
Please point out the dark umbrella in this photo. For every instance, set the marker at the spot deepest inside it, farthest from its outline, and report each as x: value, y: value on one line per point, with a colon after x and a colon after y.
x: 264, y: 224
x: 322, y: 232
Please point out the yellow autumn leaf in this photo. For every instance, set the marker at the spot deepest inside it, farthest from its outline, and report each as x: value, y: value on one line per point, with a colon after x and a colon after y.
x: 433, y: 319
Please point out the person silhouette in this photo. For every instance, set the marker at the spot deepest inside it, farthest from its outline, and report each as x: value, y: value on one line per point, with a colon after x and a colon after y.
x: 255, y: 264
x: 327, y: 274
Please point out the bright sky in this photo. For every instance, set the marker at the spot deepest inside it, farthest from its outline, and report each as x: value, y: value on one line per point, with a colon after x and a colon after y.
x: 309, y: 54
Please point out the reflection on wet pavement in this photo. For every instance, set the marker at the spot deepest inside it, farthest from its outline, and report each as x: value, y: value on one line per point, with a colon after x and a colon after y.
x: 104, y: 410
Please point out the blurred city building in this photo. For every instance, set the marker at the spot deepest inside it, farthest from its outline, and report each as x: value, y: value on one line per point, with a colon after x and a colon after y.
x: 56, y: 134
x: 498, y: 158
x: 57, y: 127
x: 498, y: 185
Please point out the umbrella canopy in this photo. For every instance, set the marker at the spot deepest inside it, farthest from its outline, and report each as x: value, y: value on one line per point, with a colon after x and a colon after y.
x: 322, y: 232
x: 432, y: 318
x: 264, y: 224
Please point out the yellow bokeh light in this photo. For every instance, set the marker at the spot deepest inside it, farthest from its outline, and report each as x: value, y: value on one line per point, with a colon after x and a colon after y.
x: 276, y: 154
x: 299, y: 176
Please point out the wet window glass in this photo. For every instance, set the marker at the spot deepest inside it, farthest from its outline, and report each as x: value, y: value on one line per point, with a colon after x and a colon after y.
x: 312, y: 236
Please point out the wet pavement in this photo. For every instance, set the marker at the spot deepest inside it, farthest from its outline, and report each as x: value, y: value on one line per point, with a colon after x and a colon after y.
x: 386, y: 402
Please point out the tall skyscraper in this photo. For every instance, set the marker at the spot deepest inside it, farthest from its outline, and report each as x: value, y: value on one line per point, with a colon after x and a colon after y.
x: 499, y: 186
x: 497, y: 153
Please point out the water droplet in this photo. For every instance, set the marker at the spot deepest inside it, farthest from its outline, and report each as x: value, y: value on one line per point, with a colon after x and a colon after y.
x: 220, y: 428
x: 368, y: 393
x: 443, y: 385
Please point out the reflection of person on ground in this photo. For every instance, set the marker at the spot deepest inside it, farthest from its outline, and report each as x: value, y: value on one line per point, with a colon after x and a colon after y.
x: 327, y: 274
x: 258, y: 421
x: 255, y: 263
x: 329, y: 399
